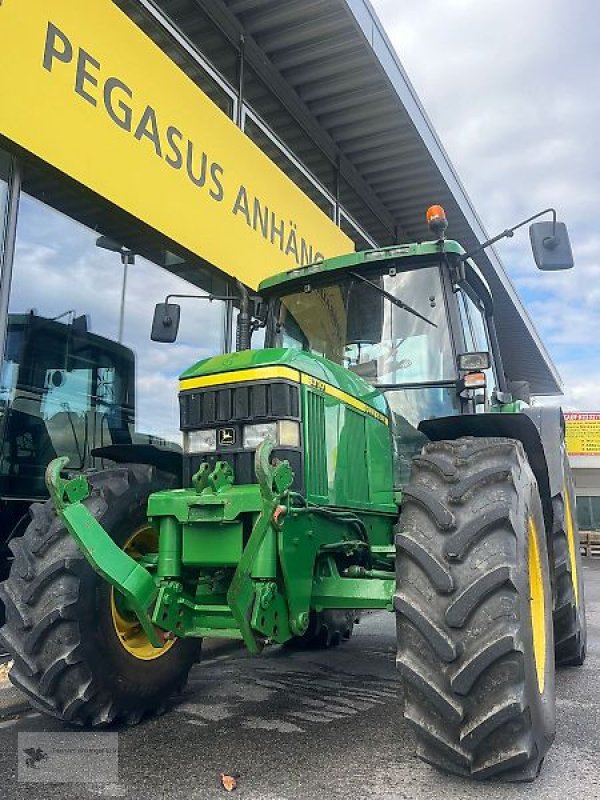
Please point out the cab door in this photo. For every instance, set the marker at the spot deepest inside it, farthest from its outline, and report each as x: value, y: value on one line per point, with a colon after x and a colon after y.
x: 476, y: 337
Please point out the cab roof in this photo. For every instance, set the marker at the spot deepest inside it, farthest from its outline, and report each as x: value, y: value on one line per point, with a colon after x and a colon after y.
x: 354, y: 260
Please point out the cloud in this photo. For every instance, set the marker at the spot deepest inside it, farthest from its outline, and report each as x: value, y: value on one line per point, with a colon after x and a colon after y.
x: 507, y: 86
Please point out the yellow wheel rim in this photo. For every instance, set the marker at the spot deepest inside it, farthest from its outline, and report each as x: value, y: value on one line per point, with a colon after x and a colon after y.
x: 538, y: 605
x: 573, y: 545
x: 128, y: 629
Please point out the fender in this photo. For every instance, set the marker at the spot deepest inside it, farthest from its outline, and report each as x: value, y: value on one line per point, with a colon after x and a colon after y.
x: 540, y: 430
x: 164, y: 460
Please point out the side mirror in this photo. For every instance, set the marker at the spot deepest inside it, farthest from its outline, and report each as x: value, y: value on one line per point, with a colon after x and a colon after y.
x: 551, y: 246
x: 165, y: 324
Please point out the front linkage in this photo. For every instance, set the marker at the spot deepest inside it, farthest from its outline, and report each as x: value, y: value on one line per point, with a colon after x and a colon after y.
x: 235, y: 591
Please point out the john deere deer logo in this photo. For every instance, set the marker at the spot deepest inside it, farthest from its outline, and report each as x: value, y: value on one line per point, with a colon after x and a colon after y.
x: 226, y: 436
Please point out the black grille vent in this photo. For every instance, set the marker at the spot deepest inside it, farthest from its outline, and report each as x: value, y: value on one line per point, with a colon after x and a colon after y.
x: 242, y: 403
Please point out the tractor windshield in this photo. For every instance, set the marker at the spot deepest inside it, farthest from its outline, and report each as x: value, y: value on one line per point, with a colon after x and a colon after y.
x: 354, y: 324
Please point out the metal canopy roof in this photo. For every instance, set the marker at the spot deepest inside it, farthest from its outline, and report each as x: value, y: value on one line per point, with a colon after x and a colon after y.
x: 323, y: 72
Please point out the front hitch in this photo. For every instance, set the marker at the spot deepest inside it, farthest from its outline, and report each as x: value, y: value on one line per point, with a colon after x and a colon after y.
x: 104, y: 556
x: 149, y: 597
x: 274, y: 481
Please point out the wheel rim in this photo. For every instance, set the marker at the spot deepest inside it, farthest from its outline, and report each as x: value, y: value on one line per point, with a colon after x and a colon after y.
x: 538, y: 605
x: 571, y: 544
x: 129, y: 631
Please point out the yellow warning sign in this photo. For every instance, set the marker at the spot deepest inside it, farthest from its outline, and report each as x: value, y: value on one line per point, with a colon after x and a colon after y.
x: 583, y: 433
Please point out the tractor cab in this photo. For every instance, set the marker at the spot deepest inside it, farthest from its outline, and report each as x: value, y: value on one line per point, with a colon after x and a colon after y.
x: 415, y: 321
x: 403, y: 319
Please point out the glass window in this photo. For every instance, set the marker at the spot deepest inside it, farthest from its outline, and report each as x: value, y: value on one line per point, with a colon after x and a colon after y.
x: 5, y: 164
x: 588, y: 513
x: 466, y: 322
x: 584, y: 521
x: 354, y: 324
x: 67, y: 369
x: 475, y: 332
x: 595, y: 513
x: 416, y: 405
x: 476, y: 319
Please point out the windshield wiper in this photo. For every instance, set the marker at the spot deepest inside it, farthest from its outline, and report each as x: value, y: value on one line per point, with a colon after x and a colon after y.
x: 391, y: 298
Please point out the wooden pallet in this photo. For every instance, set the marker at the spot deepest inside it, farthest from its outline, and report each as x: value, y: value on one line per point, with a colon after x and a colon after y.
x: 589, y: 542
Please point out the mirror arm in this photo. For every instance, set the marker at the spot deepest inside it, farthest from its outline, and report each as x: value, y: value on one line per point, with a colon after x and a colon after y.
x: 167, y: 321
x: 244, y: 324
x: 510, y: 232
x: 209, y: 297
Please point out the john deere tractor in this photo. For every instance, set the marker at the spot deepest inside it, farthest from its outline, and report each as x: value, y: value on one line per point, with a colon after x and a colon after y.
x: 371, y: 456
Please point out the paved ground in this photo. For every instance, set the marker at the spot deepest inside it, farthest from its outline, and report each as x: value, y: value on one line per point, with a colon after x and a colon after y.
x: 315, y: 726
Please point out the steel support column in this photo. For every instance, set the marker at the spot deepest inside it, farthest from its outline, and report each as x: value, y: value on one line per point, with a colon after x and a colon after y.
x: 8, y: 239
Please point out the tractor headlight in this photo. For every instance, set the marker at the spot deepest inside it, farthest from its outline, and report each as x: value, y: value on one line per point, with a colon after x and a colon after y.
x: 285, y: 433
x: 288, y: 433
x: 200, y: 441
x: 255, y: 434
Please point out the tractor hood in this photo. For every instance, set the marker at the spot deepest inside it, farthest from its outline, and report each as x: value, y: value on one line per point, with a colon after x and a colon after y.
x: 299, y: 366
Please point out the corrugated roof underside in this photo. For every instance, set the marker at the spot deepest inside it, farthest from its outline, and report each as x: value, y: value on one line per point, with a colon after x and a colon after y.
x: 335, y: 89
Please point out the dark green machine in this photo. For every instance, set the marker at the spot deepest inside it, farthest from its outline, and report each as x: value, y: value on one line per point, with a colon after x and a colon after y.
x: 63, y: 390
x: 371, y: 456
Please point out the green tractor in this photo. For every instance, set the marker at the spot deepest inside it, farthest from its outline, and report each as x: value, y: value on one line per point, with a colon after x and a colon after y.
x: 371, y: 456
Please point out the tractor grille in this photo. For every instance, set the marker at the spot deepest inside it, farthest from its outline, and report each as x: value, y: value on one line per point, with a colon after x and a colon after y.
x: 231, y: 407
x: 256, y: 402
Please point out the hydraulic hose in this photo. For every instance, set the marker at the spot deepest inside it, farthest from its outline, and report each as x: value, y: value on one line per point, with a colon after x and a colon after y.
x: 243, y: 329
x: 340, y: 516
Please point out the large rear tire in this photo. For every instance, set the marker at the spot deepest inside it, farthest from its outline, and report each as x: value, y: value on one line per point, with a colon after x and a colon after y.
x: 474, y: 610
x: 78, y: 655
x: 570, y: 629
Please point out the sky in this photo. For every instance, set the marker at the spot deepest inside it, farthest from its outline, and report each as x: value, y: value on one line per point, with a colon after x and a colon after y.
x: 511, y: 88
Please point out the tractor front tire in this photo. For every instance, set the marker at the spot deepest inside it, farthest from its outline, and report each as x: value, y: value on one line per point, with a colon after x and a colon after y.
x: 570, y: 630
x: 474, y: 610
x: 75, y: 655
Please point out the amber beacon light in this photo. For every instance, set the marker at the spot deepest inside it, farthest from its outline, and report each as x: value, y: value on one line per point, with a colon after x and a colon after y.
x: 436, y: 219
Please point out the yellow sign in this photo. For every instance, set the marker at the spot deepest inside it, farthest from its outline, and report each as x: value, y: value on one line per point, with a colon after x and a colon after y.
x: 582, y: 433
x: 83, y: 88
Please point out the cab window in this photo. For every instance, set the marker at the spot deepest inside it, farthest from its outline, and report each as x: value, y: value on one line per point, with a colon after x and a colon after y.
x: 475, y: 332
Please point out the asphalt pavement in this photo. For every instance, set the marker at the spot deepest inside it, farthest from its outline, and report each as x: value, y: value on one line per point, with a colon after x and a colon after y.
x: 314, y: 726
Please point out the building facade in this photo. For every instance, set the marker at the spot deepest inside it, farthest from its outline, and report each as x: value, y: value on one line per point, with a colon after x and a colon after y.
x: 583, y: 445
x: 91, y: 234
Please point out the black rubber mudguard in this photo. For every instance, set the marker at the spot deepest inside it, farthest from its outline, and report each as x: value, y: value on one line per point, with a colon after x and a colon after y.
x: 164, y: 460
